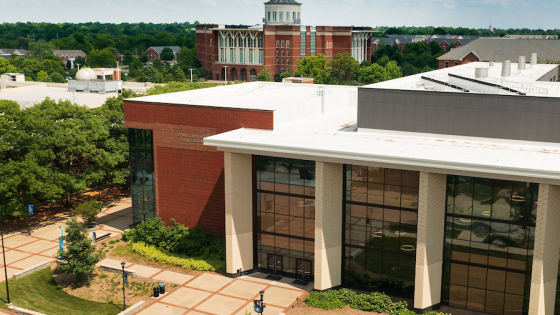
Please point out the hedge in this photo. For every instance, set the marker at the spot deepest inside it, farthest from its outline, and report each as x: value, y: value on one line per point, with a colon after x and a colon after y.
x: 161, y: 255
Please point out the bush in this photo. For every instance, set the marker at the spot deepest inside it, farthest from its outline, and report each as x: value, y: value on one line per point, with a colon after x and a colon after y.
x: 79, y: 256
x: 165, y: 257
x: 87, y: 210
x: 392, y: 286
x: 195, y: 242
x: 374, y: 302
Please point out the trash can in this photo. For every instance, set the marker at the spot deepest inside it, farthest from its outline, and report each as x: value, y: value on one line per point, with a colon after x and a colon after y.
x: 156, y: 292
x: 162, y: 288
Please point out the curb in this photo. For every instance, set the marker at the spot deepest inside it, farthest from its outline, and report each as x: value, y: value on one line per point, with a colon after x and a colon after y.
x: 114, y: 269
x: 134, y: 308
x: 33, y: 269
x: 22, y: 311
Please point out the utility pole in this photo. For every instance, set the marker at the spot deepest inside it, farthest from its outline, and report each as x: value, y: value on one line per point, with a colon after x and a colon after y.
x: 191, y: 73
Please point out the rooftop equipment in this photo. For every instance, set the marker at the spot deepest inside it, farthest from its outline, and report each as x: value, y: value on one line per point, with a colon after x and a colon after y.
x: 506, y: 68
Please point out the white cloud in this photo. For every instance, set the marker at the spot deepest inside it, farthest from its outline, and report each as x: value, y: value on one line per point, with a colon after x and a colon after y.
x: 449, y: 6
x: 208, y: 2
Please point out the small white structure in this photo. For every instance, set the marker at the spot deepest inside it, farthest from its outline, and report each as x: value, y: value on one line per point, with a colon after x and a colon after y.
x: 94, y: 80
x: 13, y: 77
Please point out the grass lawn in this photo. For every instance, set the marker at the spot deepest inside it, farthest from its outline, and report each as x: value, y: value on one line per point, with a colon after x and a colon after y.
x: 41, y: 287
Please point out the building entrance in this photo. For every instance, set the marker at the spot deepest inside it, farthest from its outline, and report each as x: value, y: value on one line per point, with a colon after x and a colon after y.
x: 304, y: 269
x: 275, y: 264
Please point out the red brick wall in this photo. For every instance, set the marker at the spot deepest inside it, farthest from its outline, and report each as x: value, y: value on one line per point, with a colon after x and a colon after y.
x: 468, y: 59
x: 190, y: 179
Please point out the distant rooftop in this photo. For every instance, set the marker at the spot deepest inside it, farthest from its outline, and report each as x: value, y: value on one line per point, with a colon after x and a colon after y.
x: 463, y: 76
x: 282, y: 2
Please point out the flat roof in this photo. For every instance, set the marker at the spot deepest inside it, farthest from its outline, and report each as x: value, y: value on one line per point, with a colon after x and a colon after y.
x: 334, y: 137
x: 530, y: 77
x: 288, y: 101
x: 28, y: 96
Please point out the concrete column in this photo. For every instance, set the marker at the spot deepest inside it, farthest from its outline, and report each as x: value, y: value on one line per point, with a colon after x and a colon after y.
x: 239, y: 211
x: 429, y: 248
x: 547, y: 246
x: 328, y: 232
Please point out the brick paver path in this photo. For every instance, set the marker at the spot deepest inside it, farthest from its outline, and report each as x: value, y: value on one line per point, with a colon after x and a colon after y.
x: 207, y: 293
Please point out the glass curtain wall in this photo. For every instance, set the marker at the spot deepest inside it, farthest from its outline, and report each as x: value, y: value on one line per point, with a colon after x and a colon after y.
x: 142, y: 174
x: 285, y: 216
x: 381, y: 215
x: 489, y: 240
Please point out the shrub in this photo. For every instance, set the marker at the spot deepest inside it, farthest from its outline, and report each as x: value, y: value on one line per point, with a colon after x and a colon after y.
x: 163, y: 256
x: 374, y: 302
x: 79, y: 256
x: 87, y: 210
x: 389, y: 285
x: 177, y: 238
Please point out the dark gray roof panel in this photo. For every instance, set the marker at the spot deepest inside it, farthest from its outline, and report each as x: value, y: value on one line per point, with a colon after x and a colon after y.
x: 282, y: 2
x: 496, y: 49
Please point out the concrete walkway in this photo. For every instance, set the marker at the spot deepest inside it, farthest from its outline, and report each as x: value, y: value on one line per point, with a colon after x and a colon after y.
x: 23, y: 251
x: 207, y: 293
x: 211, y: 293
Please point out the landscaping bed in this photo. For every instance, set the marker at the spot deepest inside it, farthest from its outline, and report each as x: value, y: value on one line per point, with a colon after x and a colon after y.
x: 40, y: 292
x: 107, y: 288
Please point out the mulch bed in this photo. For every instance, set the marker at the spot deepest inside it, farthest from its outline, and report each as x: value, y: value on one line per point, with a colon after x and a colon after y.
x: 51, y: 211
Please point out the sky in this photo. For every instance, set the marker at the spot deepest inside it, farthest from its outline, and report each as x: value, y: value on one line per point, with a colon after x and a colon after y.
x: 455, y: 13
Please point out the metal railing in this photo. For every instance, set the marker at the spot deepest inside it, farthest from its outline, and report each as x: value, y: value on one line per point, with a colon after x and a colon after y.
x: 519, y: 86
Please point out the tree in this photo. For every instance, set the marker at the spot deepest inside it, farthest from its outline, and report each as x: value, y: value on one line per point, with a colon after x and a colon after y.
x: 344, y: 67
x: 101, y: 58
x: 149, y: 74
x: 42, y: 76
x: 314, y: 67
x: 156, y: 63
x: 383, y: 60
x: 40, y: 49
x: 79, y: 61
x: 56, y: 78
x: 264, y: 76
x: 168, y: 78
x: 187, y: 58
x: 68, y: 64
x: 365, y: 63
x: 88, y: 211
x: 79, y: 257
x: 53, y: 66
x: 372, y: 74
x: 127, y: 58
x: 6, y: 67
x: 392, y: 70
x: 16, y: 61
x: 167, y: 54
x: 180, y: 75
x: 31, y: 68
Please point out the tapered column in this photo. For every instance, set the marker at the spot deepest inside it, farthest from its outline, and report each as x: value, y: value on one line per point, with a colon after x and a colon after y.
x: 328, y: 229
x: 239, y: 212
x: 547, y: 246
x: 429, y: 249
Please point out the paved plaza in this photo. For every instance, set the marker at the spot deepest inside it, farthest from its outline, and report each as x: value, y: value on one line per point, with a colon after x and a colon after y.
x: 207, y: 293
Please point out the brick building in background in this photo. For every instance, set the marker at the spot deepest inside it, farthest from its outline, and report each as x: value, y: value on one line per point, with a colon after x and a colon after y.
x: 246, y: 50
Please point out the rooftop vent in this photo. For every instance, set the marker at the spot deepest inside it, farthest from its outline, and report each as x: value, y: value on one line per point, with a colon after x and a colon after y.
x: 533, y: 60
x: 506, y: 68
x: 521, y: 65
x: 491, y: 63
x: 481, y: 73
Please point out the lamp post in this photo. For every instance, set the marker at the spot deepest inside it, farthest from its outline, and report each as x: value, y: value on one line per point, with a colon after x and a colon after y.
x: 226, y: 73
x: 4, y: 256
x: 191, y: 73
x: 124, y: 279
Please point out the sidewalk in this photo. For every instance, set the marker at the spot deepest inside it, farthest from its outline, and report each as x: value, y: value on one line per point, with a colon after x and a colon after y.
x: 211, y: 293
x: 23, y: 251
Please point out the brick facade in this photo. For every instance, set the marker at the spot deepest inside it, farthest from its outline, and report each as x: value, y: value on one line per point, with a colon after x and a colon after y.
x: 190, y: 176
x: 208, y: 48
x: 451, y: 63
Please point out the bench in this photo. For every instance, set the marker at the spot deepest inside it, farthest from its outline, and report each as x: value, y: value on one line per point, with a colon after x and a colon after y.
x: 102, y: 237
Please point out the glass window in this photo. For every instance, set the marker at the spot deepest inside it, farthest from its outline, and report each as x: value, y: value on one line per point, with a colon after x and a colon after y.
x: 303, y: 38
x: 269, y: 16
x: 274, y: 16
x: 489, y: 241
x: 287, y: 44
x: 380, y: 238
x: 286, y: 210
x: 287, y: 16
x: 277, y: 44
x: 281, y: 16
x: 282, y: 44
x: 142, y: 176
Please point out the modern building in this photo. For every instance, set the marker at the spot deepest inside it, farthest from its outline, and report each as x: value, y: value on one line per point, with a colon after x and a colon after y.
x: 155, y: 52
x: 241, y: 52
x: 499, y: 49
x: 71, y: 55
x: 442, y: 188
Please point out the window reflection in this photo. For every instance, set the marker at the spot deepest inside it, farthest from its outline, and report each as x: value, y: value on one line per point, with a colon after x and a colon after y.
x: 142, y: 174
x: 489, y: 241
x: 380, y: 232
x: 285, y: 211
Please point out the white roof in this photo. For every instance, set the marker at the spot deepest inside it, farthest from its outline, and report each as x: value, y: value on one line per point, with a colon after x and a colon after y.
x: 333, y: 137
x: 529, y: 76
x: 288, y: 101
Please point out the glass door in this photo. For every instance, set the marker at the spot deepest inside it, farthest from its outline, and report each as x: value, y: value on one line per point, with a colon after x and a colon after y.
x: 275, y: 264
x: 304, y: 269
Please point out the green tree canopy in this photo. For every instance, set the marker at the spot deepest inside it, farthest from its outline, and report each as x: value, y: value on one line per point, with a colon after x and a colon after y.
x: 264, y: 76
x: 149, y: 74
x: 6, y: 66
x: 101, y: 58
x: 372, y: 74
x: 43, y: 76
x: 344, y: 67
x: 40, y: 49
x: 167, y: 54
x: 179, y: 75
x: 314, y: 67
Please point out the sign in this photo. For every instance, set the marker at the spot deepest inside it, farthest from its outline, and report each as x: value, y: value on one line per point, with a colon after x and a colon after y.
x: 30, y: 207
